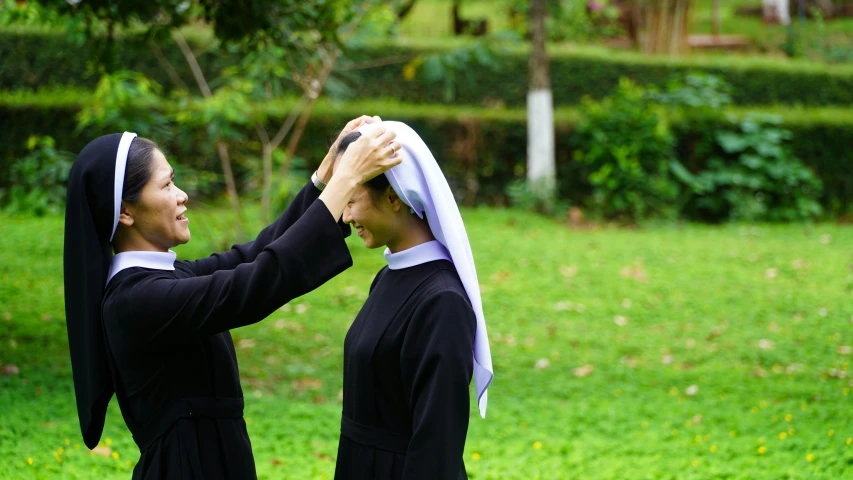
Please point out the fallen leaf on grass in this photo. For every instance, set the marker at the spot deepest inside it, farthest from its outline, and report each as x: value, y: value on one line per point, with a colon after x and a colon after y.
x: 568, y: 270
x: 294, y: 327
x: 542, y: 364
x: 562, y: 306
x: 583, y: 371
x: 11, y: 369
x: 307, y: 383
x: 276, y: 462
x: 246, y: 343
x: 498, y: 277
x: 322, y: 456
x: 102, y: 451
x: 637, y: 272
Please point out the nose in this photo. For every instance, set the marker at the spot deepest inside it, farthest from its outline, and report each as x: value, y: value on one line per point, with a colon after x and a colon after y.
x: 347, y: 218
x: 183, y: 198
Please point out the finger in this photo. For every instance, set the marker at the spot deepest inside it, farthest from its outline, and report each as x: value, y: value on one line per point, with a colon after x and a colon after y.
x: 393, y: 162
x: 361, y: 121
x: 386, y: 137
x: 376, y: 133
x: 376, y: 119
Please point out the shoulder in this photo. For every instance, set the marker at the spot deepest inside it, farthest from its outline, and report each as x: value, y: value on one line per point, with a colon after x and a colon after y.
x: 131, y: 289
x: 444, y: 282
x: 442, y: 298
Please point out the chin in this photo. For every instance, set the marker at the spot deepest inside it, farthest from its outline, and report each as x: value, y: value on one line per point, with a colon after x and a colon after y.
x: 372, y: 245
x: 184, y: 239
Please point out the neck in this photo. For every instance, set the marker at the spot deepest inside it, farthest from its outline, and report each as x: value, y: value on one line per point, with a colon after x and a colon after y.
x: 127, y: 241
x: 415, y: 233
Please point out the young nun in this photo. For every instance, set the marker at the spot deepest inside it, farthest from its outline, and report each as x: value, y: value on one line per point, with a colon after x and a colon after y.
x: 412, y: 349
x: 154, y: 330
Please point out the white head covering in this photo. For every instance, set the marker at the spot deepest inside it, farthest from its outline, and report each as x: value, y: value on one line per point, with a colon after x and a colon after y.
x: 419, y: 183
x: 118, y: 184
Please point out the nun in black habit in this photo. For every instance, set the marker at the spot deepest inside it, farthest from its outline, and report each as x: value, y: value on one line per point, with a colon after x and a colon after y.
x: 155, y: 331
x: 412, y: 350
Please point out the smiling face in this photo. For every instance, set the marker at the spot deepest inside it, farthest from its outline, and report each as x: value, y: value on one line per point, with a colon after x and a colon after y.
x: 157, y: 222
x: 375, y: 219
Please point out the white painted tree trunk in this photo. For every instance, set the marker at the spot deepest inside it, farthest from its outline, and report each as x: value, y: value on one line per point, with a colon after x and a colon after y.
x: 541, y: 171
x: 540, y: 140
x: 777, y: 11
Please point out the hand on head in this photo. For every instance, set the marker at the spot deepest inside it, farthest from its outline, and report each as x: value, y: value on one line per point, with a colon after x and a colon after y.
x: 372, y: 154
x: 353, y: 125
x: 327, y: 167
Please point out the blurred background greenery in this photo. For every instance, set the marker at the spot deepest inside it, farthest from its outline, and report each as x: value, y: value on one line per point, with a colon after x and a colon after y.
x: 675, y: 308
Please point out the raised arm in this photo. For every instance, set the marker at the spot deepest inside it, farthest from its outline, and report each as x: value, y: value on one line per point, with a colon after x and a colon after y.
x: 247, y: 252
x: 437, y: 365
x: 166, y: 312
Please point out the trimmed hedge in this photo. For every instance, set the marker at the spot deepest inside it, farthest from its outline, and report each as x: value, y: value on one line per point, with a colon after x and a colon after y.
x: 480, y: 150
x: 32, y: 59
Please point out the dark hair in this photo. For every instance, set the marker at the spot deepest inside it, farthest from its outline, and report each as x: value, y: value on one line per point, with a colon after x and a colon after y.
x: 376, y: 185
x: 138, y: 169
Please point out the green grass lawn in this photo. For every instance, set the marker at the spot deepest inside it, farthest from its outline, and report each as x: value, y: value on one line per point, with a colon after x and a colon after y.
x: 673, y: 352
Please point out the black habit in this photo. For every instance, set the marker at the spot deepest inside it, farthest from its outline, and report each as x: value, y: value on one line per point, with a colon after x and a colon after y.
x: 172, y: 358
x: 407, y: 367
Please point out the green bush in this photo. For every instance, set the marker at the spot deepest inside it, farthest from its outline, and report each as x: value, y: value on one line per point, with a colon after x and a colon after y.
x: 756, y: 177
x: 38, y: 179
x: 626, y: 142
x: 478, y: 174
x: 33, y: 58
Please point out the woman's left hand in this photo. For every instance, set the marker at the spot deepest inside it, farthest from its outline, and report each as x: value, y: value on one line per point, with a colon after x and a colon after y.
x: 327, y: 168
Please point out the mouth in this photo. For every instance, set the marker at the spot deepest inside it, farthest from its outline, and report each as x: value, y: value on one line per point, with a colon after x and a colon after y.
x: 359, y: 230
x: 181, y: 217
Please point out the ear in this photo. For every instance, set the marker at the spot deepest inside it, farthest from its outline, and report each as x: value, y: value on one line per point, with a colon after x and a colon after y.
x: 393, y: 199
x: 125, y: 216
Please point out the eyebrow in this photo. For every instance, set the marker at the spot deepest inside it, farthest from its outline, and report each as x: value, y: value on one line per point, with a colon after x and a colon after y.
x: 172, y: 174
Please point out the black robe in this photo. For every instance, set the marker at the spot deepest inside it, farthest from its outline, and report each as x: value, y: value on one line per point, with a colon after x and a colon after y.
x: 408, y: 363
x: 167, y: 335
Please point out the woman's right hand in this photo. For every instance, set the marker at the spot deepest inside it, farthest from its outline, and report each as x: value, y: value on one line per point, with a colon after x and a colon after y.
x: 372, y: 154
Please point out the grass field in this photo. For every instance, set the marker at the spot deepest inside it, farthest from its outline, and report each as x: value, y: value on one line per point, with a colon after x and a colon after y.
x: 672, y: 352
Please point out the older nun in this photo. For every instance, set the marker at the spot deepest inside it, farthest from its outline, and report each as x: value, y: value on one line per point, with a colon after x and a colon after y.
x: 154, y: 330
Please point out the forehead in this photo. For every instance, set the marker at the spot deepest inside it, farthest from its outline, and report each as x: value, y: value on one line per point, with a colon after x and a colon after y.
x: 159, y: 165
x: 360, y: 192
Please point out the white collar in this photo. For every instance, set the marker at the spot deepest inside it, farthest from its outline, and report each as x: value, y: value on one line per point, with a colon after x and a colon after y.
x: 152, y: 260
x: 423, y: 253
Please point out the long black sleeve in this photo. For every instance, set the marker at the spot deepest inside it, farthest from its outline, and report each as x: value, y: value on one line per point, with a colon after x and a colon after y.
x: 437, y: 365
x: 160, y: 310
x: 247, y: 252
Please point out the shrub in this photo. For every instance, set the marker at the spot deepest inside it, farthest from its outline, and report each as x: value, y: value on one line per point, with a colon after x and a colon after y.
x: 38, y: 179
x: 626, y: 142
x: 756, y: 177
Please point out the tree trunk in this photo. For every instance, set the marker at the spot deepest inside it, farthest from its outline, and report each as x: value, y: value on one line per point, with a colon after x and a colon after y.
x: 715, y: 18
x: 663, y: 25
x: 541, y: 169
x: 777, y: 11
